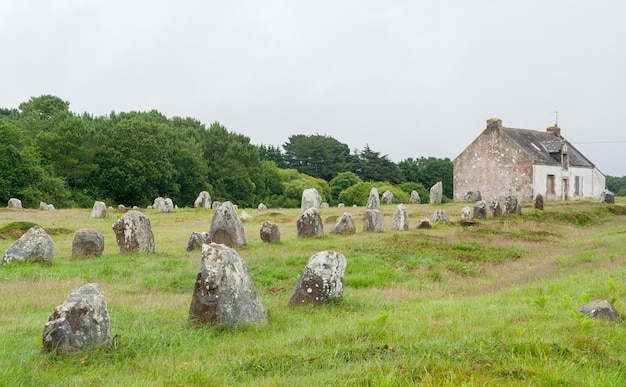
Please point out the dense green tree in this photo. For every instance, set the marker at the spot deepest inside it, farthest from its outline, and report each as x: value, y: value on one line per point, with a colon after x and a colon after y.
x: 409, y: 186
x: 359, y: 193
x: 617, y: 185
x: 41, y: 113
x: 371, y: 166
x: 340, y: 182
x: 272, y: 153
x: 317, y: 155
x: 429, y: 171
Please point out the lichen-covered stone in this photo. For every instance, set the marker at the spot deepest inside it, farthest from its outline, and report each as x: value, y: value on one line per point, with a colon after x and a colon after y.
x: 133, y: 233
x: 197, y: 239
x: 400, y: 219
x: 269, y: 232
x: 373, y: 200
x: 203, y: 200
x: 344, y: 225
x: 87, y: 243
x: 373, y: 220
x: 99, y: 210
x: 321, y: 280
x: 436, y: 193
x: 226, y: 227
x: 309, y: 224
x: 310, y: 199
x: 34, y: 245
x: 480, y: 210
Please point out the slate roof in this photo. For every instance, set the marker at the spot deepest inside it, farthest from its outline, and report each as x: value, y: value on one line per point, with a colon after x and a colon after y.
x: 545, y: 147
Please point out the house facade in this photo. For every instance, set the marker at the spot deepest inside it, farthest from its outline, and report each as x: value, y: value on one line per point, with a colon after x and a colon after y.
x: 529, y: 162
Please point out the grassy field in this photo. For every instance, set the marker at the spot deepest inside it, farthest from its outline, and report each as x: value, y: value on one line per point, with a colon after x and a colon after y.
x: 490, y: 304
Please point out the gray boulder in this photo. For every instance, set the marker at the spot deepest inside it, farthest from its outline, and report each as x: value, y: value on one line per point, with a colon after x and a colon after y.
x: 87, y: 242
x: 79, y: 323
x: 262, y: 207
x: 466, y: 213
x: 400, y: 219
x: 34, y: 245
x: 14, y: 203
x: 215, y: 205
x: 373, y: 201
x: 495, y: 207
x: 245, y: 216
x: 226, y: 227
x: 203, y: 200
x: 49, y: 207
x: 415, y: 198
x: 269, y: 232
x: 197, y: 239
x: 133, y: 233
x: 344, y: 225
x: 341, y: 205
x: 436, y: 193
x: 440, y: 216
x: 472, y: 196
x: 424, y: 223
x: 538, y: 202
x: 387, y: 197
x: 607, y: 197
x: 600, y: 309
x: 42, y: 206
x: 480, y: 210
x: 224, y: 293
x: 309, y: 224
x: 373, y: 220
x: 321, y: 280
x: 99, y: 210
x: 310, y: 199
x: 163, y: 205
x: 512, y: 203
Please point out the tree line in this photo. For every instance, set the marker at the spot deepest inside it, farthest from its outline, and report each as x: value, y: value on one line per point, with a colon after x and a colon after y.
x: 51, y: 154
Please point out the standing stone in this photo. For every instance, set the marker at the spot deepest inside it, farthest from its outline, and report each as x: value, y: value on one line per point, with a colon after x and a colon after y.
x: 538, y: 202
x: 341, y: 205
x: 344, y: 225
x: 310, y: 224
x: 473, y: 196
x: 321, y: 280
x: 387, y: 197
x: 133, y: 233
x: 262, y: 207
x: 14, y: 203
x: 169, y: 205
x: 163, y: 205
x: 269, y: 232
x: 424, y: 223
x: 79, y: 323
x: 203, y: 200
x: 42, y: 206
x: 310, y: 199
x: 600, y: 309
x: 245, y: 216
x: 197, y: 239
x: 224, y: 294
x: 87, y: 242
x: 607, y: 197
x: 99, y: 210
x: 436, y: 193
x: 34, y: 245
x: 373, y: 201
x: 121, y: 207
x: 49, y: 207
x: 373, y: 220
x: 400, y: 220
x: 440, y: 216
x: 480, y: 210
x: 496, y: 207
x: 215, y: 205
x: 226, y: 228
x: 512, y: 204
x: 415, y: 198
x: 466, y: 213
x: 324, y: 205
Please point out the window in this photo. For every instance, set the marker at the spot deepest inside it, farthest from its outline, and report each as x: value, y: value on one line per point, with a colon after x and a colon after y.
x: 578, y: 186
x: 550, y: 186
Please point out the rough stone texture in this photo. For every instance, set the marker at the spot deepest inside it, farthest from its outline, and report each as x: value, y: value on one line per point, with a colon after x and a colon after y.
x: 321, y: 280
x: 607, y: 197
x: 245, y: 216
x: 226, y: 227
x: 495, y: 207
x: 215, y: 205
x: 424, y: 223
x: 310, y: 199
x: 512, y: 204
x: 269, y: 232
x: 203, y: 200
x: 99, y: 210
x: 262, y: 207
x: 14, y: 203
x: 472, y: 196
x: 163, y: 205
x: 373, y: 220
x: 49, y: 207
x: 121, y: 207
x: 344, y: 225
x: 79, y: 323
x: 197, y: 239
x: 440, y: 216
x: 133, y: 233
x: 480, y: 210
x: 310, y: 224
x: 436, y: 193
x: 87, y: 242
x: 387, y: 197
x: 34, y: 245
x: 341, y: 205
x: 538, y: 202
x: 224, y: 293
x: 400, y: 219
x: 415, y: 198
x: 373, y: 201
x: 600, y: 309
x: 42, y: 206
x: 466, y: 213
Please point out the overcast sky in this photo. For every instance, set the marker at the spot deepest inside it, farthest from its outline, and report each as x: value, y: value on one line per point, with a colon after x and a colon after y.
x: 409, y: 78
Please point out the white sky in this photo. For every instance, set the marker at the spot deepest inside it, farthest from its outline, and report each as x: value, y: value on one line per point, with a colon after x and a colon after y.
x: 409, y: 78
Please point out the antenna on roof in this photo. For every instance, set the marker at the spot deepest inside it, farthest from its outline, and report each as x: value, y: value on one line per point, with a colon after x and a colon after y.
x: 556, y: 113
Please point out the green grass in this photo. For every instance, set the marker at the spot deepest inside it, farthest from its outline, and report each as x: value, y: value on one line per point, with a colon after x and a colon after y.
x: 490, y: 304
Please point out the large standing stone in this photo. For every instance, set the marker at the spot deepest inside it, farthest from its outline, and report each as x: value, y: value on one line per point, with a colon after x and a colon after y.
x: 79, y: 323
x: 344, y: 225
x: 14, y: 203
x: 226, y: 227
x: 163, y: 205
x: 538, y: 202
x: 373, y: 201
x: 440, y: 216
x: 99, y: 210
x: 436, y: 193
x: 387, y: 197
x: 496, y: 207
x: 34, y: 245
x: 133, y: 233
x: 607, y: 197
x: 600, y: 309
x: 224, y: 293
x: 400, y: 219
x: 480, y: 210
x: 321, y: 280
x: 87, y: 242
x: 373, y: 220
x: 269, y: 232
x: 512, y: 204
x: 310, y: 199
x: 197, y: 239
x: 309, y: 224
x: 203, y: 200
x: 415, y: 198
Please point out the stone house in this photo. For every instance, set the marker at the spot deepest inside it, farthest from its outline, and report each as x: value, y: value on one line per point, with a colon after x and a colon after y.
x: 529, y: 162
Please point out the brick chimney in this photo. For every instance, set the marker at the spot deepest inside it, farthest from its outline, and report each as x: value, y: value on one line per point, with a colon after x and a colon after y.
x: 555, y: 130
x: 494, y: 124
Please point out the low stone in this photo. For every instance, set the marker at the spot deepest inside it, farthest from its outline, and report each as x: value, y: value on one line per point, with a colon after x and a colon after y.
x: 197, y: 239
x: 324, y: 205
x: 440, y: 216
x: 321, y: 279
x: 600, y: 309
x: 224, y: 294
x: 415, y: 198
x: 424, y: 223
x: 480, y: 210
x: 79, y: 323
x: 373, y: 220
x: 216, y: 205
x: 310, y: 199
x: 373, y: 200
x: 245, y: 216
x: 341, y: 205
x: 607, y: 197
x: 400, y: 219
x: 133, y: 233
x: 466, y: 213
x: 34, y: 245
x: 344, y: 225
x: 87, y: 243
x: 203, y: 200
x: 309, y: 224
x: 14, y: 203
x: 121, y: 207
x: 163, y: 205
x: 262, y: 207
x: 472, y: 196
x: 42, y: 206
x: 269, y: 232
x: 495, y: 207
x: 49, y: 207
x: 387, y: 197
x: 512, y: 203
x: 436, y: 193
x: 226, y: 227
x: 538, y: 202
x: 99, y: 210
